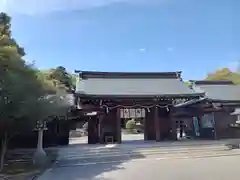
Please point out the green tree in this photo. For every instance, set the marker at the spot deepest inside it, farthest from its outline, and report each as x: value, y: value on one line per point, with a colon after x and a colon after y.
x: 48, y: 84
x: 24, y: 94
x: 61, y: 78
x: 224, y: 74
x: 130, y: 125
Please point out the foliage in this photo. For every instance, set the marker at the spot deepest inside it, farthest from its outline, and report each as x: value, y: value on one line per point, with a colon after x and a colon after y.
x: 60, y: 78
x: 74, y: 80
x: 187, y: 83
x: 16, y: 76
x: 19, y: 85
x: 224, y: 74
x: 131, y: 124
x: 85, y: 126
x: 48, y: 85
x: 24, y: 90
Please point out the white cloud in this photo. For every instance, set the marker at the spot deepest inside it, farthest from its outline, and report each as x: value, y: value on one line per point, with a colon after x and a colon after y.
x: 142, y: 50
x: 46, y: 6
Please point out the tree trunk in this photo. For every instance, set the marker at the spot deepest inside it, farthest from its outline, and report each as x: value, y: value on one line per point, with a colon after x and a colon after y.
x: 3, y: 151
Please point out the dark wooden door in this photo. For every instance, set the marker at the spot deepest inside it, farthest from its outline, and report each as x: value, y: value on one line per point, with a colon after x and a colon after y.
x: 149, y: 126
x: 93, y: 130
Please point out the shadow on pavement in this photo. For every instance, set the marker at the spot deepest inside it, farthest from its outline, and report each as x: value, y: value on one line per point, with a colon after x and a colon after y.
x: 90, y: 167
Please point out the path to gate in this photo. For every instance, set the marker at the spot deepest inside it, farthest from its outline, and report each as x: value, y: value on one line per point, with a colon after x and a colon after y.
x: 80, y: 160
x: 130, y: 147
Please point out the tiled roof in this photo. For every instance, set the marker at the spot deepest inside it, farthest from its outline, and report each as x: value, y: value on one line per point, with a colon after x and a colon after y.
x: 126, y: 75
x: 213, y: 82
x: 218, y: 90
x: 133, y: 84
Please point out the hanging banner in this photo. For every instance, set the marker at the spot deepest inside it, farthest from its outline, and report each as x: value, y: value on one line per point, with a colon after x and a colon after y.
x: 138, y: 113
x: 143, y: 113
x: 132, y: 113
x: 196, y: 126
x: 126, y: 114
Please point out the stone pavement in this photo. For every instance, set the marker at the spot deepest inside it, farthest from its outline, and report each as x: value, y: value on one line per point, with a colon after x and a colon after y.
x: 137, y: 140
x: 80, y: 159
x: 150, y: 166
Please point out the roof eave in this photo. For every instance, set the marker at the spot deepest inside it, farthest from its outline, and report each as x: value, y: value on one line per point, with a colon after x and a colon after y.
x: 224, y: 101
x: 141, y: 96
x: 189, y: 103
x: 211, y: 82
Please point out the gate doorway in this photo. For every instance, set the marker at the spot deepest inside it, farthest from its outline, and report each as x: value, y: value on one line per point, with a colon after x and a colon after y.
x: 180, y: 129
x: 85, y: 129
x: 132, y: 124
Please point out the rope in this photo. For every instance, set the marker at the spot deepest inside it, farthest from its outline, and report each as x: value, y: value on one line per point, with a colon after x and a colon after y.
x: 133, y: 106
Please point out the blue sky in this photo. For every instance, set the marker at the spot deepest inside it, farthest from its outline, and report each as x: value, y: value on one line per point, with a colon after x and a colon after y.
x: 192, y: 36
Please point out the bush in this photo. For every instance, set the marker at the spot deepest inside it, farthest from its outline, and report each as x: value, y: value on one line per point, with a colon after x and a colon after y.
x: 131, y: 124
x: 85, y: 126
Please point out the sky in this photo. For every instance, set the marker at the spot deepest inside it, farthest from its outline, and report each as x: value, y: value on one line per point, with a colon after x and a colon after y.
x: 192, y: 36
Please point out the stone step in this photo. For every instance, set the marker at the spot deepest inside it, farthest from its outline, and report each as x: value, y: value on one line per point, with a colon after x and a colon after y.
x: 104, y: 160
x: 115, y: 149
x: 145, y: 151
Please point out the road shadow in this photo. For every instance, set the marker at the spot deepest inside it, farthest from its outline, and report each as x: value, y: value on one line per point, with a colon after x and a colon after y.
x: 91, y: 168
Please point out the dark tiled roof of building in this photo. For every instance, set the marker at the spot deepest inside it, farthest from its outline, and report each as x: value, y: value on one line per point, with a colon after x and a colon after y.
x: 218, y: 90
x: 142, y: 84
x: 208, y: 82
x: 135, y: 75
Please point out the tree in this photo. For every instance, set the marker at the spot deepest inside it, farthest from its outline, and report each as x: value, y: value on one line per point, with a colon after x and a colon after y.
x: 61, y: 78
x: 224, y: 74
x: 27, y: 94
x: 48, y: 84
x: 49, y: 106
x: 187, y: 83
x: 24, y: 95
x: 12, y: 72
x: 131, y: 125
x: 20, y: 90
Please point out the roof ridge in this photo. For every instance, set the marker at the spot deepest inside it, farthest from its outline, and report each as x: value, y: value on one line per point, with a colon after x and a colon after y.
x: 212, y: 82
x: 100, y: 74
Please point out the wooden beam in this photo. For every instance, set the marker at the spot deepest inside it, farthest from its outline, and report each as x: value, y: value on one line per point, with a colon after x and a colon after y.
x: 100, y: 128
x: 173, y: 128
x: 157, y: 124
x: 118, y: 118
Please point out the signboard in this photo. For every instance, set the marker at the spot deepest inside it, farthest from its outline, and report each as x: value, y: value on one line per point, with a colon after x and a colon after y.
x: 132, y: 113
